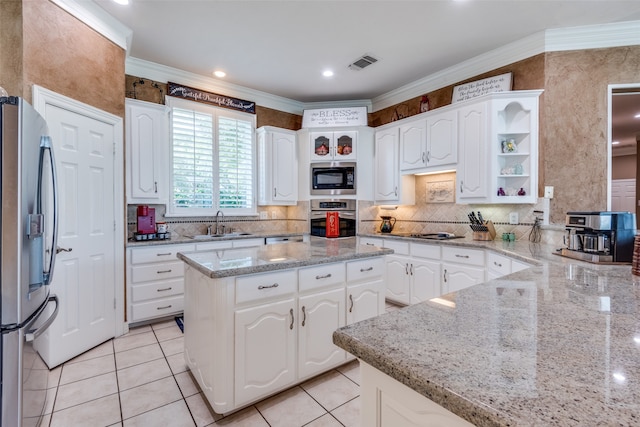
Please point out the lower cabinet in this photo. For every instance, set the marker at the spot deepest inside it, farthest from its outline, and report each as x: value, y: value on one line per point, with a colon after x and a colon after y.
x: 414, y: 278
x: 273, y: 330
x: 461, y: 268
x: 388, y: 403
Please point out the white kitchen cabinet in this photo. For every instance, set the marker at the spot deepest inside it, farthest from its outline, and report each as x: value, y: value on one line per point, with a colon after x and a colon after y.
x: 269, y: 331
x: 265, y: 349
x: 412, y: 279
x: 430, y: 143
x: 147, y: 140
x: 500, y: 265
x: 277, y: 166
x: 155, y: 281
x: 389, y: 186
x: 320, y: 314
x: 461, y: 268
x: 473, y: 160
x: 487, y: 173
x: 387, y: 402
x: 327, y: 146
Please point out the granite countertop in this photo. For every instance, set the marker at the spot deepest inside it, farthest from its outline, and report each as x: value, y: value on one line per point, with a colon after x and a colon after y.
x: 557, y: 344
x: 185, y: 239
x: 259, y: 259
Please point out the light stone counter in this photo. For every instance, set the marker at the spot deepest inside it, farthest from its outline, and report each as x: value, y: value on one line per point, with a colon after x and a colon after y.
x: 176, y: 239
x: 555, y: 345
x: 259, y: 259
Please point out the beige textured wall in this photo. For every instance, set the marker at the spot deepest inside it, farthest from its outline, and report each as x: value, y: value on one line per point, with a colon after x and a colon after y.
x: 11, y: 46
x: 575, y: 124
x: 65, y: 56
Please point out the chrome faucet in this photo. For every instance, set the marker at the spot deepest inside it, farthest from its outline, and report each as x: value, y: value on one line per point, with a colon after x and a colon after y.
x: 217, y: 221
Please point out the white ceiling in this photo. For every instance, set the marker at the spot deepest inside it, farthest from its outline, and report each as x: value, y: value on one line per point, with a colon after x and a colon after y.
x: 282, y: 47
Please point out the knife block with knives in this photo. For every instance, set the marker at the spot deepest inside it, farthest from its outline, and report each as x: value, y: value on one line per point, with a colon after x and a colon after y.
x: 482, y: 230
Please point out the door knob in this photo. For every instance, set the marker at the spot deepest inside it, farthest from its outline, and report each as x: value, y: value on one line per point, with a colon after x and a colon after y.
x: 59, y: 249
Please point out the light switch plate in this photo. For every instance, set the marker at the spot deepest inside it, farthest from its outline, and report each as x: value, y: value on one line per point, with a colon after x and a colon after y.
x: 548, y: 192
x: 513, y: 218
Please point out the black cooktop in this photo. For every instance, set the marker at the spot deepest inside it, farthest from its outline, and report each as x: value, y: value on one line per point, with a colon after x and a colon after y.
x: 436, y: 236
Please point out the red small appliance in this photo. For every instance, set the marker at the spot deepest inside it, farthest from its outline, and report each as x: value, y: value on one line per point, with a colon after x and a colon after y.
x: 146, y: 220
x: 333, y: 224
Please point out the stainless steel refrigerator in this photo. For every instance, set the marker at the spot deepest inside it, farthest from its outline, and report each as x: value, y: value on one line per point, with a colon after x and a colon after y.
x: 28, y: 227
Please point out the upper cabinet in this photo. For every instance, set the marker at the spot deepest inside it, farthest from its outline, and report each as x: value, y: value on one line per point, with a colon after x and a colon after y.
x: 389, y: 186
x: 330, y: 146
x: 277, y: 166
x: 498, y: 137
x: 429, y: 144
x: 147, y: 138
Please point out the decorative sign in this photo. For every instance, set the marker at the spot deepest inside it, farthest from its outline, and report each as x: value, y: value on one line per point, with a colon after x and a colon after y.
x: 327, y: 117
x: 211, y: 98
x: 466, y: 91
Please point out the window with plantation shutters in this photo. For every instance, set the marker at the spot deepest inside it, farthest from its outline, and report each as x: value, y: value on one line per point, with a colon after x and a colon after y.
x: 212, y: 160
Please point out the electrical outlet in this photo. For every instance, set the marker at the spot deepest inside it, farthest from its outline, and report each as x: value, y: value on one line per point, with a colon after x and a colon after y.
x: 548, y: 192
x: 264, y: 215
x: 274, y: 215
x: 513, y: 218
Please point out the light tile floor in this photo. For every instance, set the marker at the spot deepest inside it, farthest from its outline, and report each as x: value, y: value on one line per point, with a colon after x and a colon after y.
x: 140, y: 379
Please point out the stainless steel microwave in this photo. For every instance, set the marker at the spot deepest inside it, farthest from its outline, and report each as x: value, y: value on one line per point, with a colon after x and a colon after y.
x: 333, y: 178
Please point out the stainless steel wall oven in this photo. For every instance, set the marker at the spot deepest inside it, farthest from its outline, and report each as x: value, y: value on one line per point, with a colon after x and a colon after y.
x: 346, y: 210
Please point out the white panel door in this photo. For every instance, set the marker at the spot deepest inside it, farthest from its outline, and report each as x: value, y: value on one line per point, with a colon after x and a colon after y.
x: 84, y: 277
x: 623, y: 195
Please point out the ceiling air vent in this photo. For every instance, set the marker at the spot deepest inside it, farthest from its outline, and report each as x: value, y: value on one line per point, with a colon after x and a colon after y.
x: 362, y: 62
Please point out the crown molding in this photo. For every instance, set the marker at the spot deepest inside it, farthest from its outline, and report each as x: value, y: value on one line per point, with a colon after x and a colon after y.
x: 98, y: 19
x: 561, y: 39
x: 162, y: 73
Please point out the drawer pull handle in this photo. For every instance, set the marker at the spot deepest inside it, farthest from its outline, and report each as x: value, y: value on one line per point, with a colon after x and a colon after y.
x: 164, y: 271
x: 291, y: 313
x: 304, y: 316
x: 163, y: 308
x: 351, y: 303
x: 363, y: 270
x: 164, y: 254
x: 275, y: 285
x: 164, y: 289
x: 462, y: 256
x: 497, y: 264
x: 326, y: 276
x: 369, y: 244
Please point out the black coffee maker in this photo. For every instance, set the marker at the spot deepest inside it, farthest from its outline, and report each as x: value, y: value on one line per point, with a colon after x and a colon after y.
x: 601, y: 237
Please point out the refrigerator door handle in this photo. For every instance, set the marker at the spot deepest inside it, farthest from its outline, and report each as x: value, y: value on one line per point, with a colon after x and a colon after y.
x: 32, y: 334
x: 46, y: 145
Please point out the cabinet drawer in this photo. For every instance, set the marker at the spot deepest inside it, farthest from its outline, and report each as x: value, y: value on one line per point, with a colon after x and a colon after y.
x: 399, y: 248
x: 365, y: 269
x: 425, y: 251
x: 212, y: 246
x: 158, y: 253
x: 157, y: 308
x: 245, y: 243
x: 463, y: 255
x: 498, y: 263
x: 370, y: 241
x: 321, y: 276
x: 155, y: 290
x: 147, y: 273
x: 262, y: 286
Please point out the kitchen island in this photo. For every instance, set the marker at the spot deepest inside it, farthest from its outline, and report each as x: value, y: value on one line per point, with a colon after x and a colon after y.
x: 557, y: 344
x: 260, y: 319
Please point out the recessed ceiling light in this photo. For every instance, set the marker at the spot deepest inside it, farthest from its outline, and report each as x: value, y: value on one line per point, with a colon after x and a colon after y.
x: 219, y: 73
x: 123, y: 2
x: 637, y: 116
x: 327, y: 73
x: 615, y: 142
